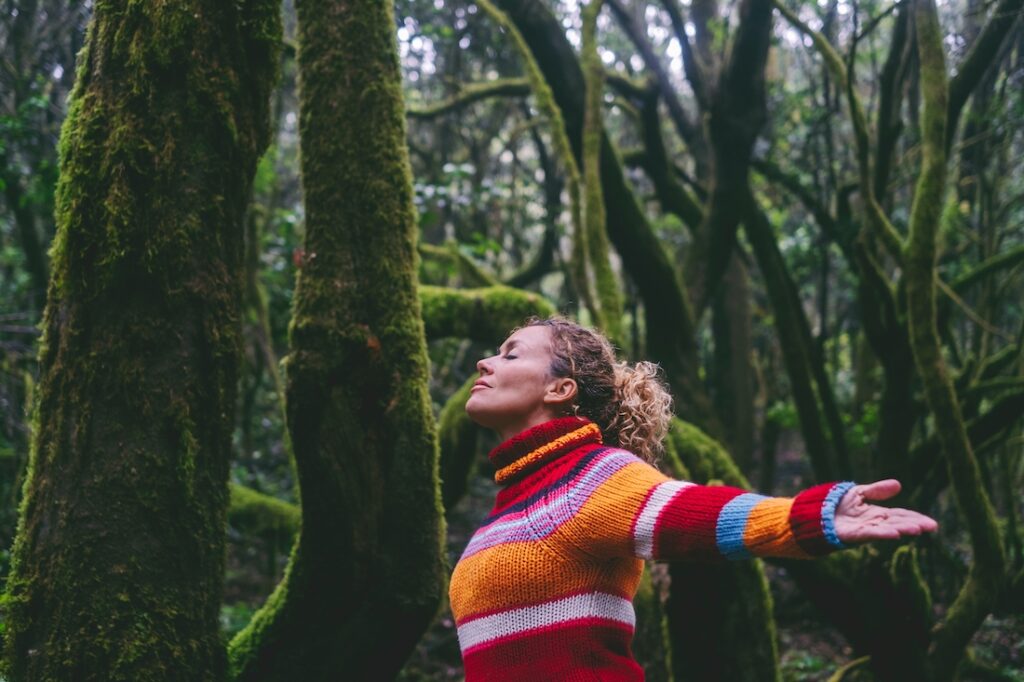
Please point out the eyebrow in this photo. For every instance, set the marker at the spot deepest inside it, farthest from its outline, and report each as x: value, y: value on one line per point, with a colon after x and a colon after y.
x: 508, y: 345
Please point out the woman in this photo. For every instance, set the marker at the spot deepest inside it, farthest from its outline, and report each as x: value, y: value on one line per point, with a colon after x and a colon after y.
x: 544, y: 588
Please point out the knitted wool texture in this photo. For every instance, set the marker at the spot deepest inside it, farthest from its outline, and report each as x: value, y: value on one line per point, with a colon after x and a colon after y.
x: 544, y: 588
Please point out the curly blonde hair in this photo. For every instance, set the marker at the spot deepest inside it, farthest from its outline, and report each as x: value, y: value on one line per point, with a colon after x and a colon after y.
x: 630, y: 403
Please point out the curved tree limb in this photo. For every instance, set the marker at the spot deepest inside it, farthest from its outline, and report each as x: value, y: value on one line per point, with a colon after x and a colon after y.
x: 470, y: 93
x: 366, y: 576
x: 671, y: 193
x: 671, y: 335
x: 979, y: 57
x: 737, y: 113
x: 486, y: 315
x: 986, y: 578
x: 688, y: 131
x: 548, y: 103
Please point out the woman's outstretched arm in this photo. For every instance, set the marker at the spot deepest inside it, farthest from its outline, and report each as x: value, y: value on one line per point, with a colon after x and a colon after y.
x: 621, y: 506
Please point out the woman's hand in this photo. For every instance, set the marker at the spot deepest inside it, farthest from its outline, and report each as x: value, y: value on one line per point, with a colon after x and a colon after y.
x: 857, y: 520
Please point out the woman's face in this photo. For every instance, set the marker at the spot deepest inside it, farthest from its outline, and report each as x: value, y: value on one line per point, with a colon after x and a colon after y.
x: 516, y: 390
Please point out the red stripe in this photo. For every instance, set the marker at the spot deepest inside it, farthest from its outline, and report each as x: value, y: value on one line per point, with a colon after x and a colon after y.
x: 805, y: 520
x: 686, y: 527
x: 537, y: 480
x: 585, y: 649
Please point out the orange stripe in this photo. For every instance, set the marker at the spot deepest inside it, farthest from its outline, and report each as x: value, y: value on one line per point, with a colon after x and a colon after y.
x: 768, y: 532
x: 540, y: 453
x: 523, y: 573
x: 604, y: 525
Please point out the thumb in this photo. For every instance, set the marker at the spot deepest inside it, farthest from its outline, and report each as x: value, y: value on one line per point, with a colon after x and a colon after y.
x: 880, y: 490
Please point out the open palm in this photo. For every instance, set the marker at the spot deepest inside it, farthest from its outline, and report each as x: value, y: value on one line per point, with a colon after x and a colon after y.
x: 857, y: 520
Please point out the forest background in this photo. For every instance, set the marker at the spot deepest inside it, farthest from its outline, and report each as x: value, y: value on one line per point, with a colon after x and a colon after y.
x: 811, y: 216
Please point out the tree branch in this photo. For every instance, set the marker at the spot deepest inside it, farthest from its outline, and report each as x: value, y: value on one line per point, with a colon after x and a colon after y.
x: 470, y: 93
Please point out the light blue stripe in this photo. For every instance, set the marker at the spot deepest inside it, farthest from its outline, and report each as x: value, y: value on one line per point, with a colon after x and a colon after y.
x: 732, y: 521
x: 828, y: 512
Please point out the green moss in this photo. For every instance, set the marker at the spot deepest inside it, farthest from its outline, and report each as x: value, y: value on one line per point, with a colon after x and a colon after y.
x: 459, y: 437
x: 486, y: 315
x: 255, y: 513
x: 702, y: 457
x: 650, y: 642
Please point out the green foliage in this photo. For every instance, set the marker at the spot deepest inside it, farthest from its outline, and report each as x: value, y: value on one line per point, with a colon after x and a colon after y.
x: 861, y: 432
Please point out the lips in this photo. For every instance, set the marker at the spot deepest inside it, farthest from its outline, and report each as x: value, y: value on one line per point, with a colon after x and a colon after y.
x: 480, y: 383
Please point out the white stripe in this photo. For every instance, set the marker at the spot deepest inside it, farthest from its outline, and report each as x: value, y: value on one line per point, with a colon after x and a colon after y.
x: 643, y: 534
x: 519, y: 621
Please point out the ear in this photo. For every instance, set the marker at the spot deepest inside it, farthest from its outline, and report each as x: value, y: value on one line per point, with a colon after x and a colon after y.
x: 560, y: 393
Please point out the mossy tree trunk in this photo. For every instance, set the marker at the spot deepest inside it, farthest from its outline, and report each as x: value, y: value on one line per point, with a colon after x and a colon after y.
x: 366, y: 574
x: 733, y: 373
x: 119, y: 557
x: 986, y: 579
x: 609, y: 294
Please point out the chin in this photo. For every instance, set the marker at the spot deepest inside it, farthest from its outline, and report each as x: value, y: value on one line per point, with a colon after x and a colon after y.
x: 480, y: 415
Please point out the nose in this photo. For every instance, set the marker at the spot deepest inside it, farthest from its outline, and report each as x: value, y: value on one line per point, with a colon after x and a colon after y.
x: 483, y: 366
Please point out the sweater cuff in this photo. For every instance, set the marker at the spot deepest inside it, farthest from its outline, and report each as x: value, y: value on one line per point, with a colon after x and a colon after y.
x: 828, y: 513
x: 812, y: 517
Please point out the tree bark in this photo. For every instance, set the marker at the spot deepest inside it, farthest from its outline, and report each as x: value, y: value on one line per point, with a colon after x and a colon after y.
x: 978, y: 594
x: 733, y: 373
x: 366, y: 575
x: 119, y: 558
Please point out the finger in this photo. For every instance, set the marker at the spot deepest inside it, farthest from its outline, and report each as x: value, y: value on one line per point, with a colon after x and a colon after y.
x: 879, y: 490
x: 892, y: 526
x: 926, y: 523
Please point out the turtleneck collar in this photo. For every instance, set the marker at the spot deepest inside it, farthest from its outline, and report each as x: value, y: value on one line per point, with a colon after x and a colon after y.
x: 537, y: 445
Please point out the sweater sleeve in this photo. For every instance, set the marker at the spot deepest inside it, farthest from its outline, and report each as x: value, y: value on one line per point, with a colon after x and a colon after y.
x: 637, y: 511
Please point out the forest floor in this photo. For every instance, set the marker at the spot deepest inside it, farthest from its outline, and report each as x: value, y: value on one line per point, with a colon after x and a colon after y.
x: 811, y: 649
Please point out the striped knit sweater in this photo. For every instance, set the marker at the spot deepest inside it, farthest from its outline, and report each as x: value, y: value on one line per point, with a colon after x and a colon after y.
x: 544, y: 588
